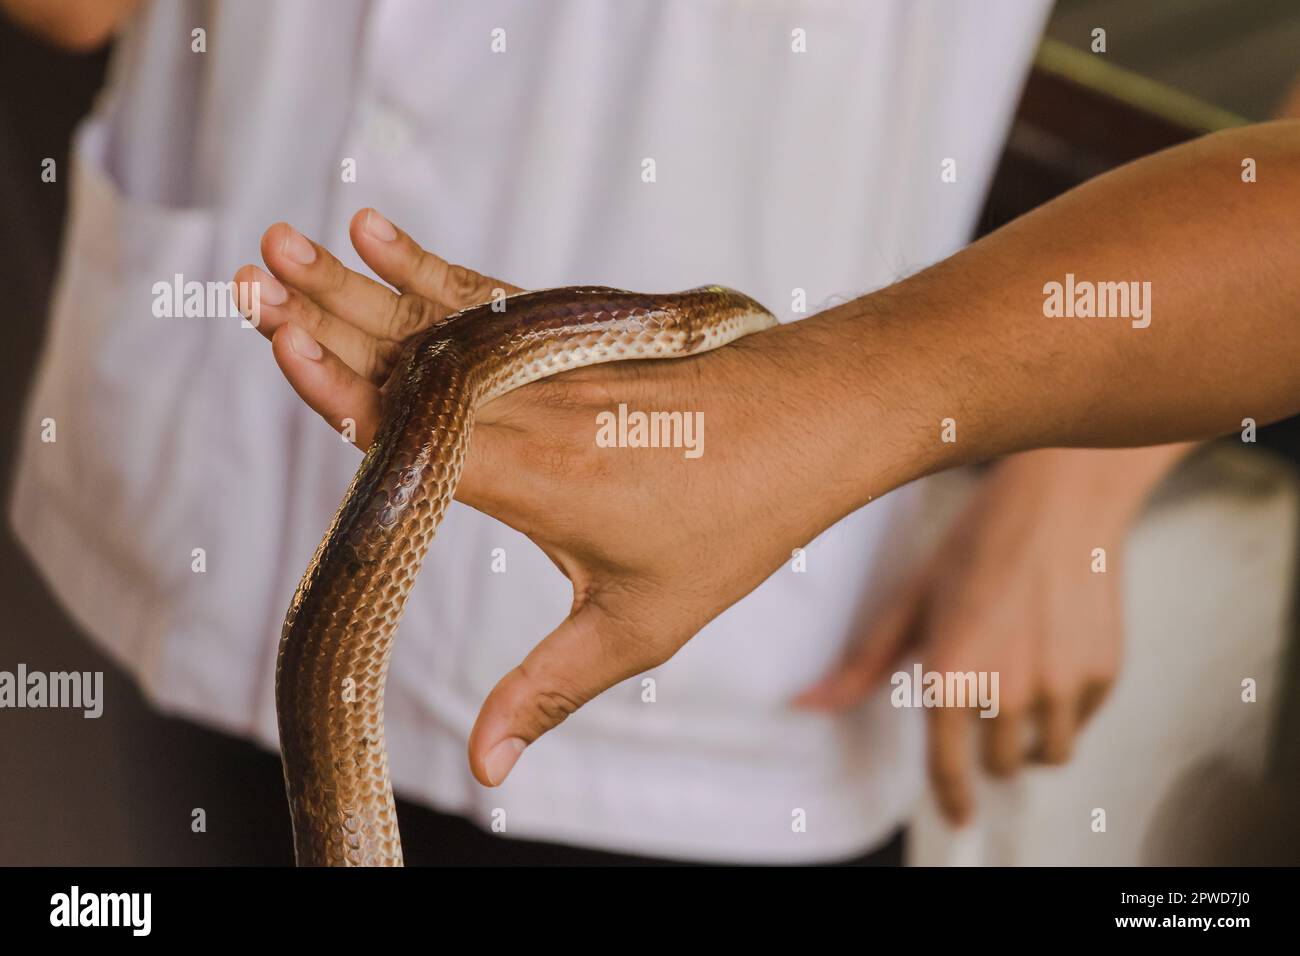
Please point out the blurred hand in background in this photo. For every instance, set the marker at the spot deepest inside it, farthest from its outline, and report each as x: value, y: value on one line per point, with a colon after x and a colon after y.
x: 1012, y: 589
x: 646, y: 578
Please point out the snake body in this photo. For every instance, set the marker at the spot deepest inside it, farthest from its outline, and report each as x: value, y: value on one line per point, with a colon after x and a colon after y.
x: 338, y: 633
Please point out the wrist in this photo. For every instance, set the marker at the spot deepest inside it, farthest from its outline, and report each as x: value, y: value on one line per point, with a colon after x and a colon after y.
x: 1110, y: 485
x: 895, y: 404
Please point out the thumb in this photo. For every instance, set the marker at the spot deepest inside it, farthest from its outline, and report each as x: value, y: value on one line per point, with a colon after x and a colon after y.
x: 865, y: 661
x: 580, y: 659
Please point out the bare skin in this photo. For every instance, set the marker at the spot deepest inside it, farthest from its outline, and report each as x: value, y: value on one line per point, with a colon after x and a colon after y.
x: 86, y: 24
x: 78, y: 26
x: 635, y: 602
x: 1032, y: 611
x: 810, y: 421
x: 1012, y: 590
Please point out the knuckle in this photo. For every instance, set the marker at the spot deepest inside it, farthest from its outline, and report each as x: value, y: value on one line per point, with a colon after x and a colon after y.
x: 552, y: 697
x: 554, y: 706
x: 428, y: 272
x: 1056, y: 752
x: 411, y: 314
x: 306, y: 315
x: 463, y: 286
x: 1000, y: 763
x: 1058, y: 686
x: 378, y: 361
x: 336, y: 275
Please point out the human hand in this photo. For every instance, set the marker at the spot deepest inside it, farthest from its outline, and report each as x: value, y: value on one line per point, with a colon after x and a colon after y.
x: 1012, y: 590
x: 655, y: 544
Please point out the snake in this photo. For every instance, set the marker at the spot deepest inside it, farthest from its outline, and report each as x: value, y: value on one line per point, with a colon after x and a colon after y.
x: 338, y: 633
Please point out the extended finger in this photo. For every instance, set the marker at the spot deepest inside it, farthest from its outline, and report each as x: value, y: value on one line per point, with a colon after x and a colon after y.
x: 582, y: 657
x: 276, y: 304
x: 1058, y: 724
x: 951, y: 762
x: 327, y: 384
x: 400, y: 260
x: 864, y: 663
x: 313, y: 270
x: 1004, y: 742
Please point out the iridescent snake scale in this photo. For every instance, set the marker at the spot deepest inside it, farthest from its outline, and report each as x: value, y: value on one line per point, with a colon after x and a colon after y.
x: 338, y: 633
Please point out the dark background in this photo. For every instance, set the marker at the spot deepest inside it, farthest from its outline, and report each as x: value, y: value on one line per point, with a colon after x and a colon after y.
x: 1238, y: 56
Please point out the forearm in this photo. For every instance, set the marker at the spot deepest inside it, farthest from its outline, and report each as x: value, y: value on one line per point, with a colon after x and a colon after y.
x: 968, y: 340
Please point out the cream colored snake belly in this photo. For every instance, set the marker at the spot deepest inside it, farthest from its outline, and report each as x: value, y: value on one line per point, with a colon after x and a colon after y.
x: 338, y: 633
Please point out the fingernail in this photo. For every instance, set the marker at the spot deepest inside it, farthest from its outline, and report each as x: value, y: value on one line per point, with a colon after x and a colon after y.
x: 381, y: 229
x: 501, y: 758
x: 298, y: 248
x: 304, y: 344
x: 268, y: 289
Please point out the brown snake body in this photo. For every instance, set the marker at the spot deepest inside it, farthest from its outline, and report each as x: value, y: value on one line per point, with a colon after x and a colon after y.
x: 338, y: 633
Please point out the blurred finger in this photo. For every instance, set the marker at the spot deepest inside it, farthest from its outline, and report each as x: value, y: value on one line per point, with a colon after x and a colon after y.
x: 1005, y: 742
x: 1093, y: 696
x: 870, y: 656
x: 951, y: 761
x: 1058, y: 724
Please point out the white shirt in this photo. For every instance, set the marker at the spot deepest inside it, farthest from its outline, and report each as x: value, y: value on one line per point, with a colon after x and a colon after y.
x: 775, y: 170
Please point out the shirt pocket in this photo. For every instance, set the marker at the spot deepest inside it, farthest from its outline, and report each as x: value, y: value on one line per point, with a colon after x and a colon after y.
x: 125, y: 380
